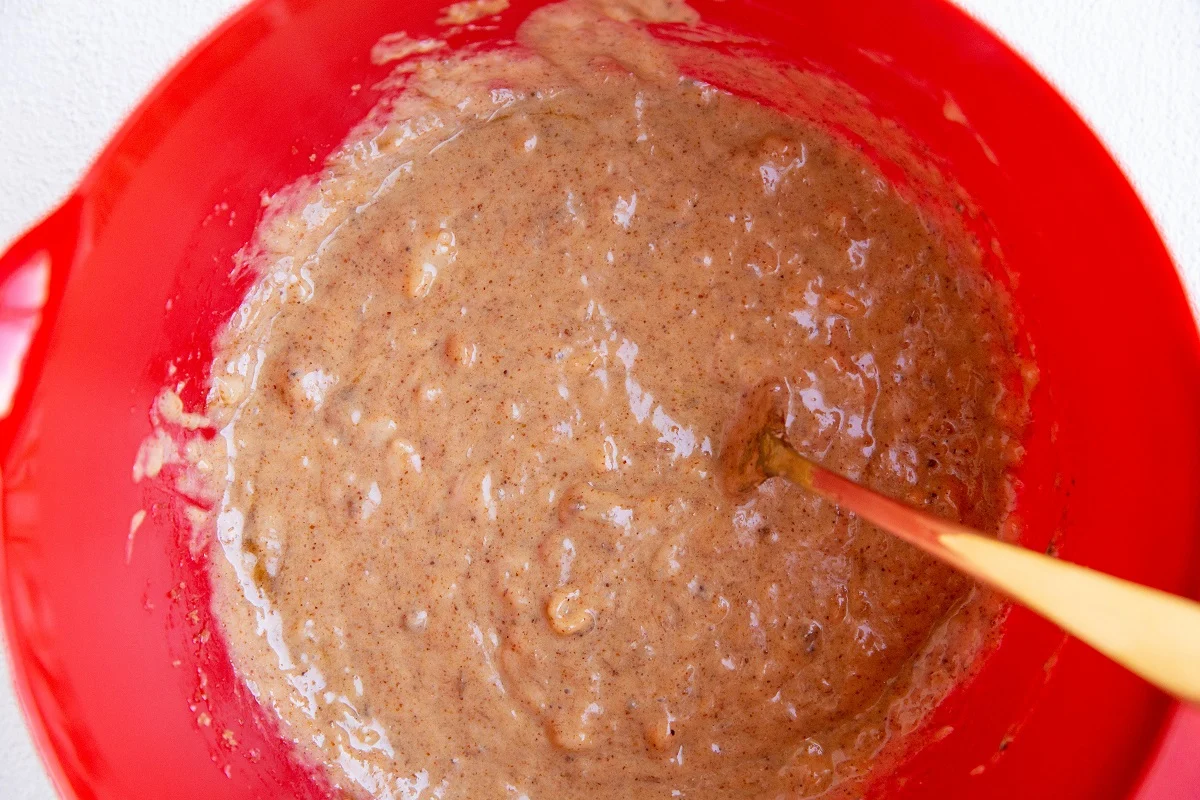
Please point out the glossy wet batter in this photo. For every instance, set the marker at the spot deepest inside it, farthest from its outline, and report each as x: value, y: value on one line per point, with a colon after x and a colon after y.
x: 473, y: 543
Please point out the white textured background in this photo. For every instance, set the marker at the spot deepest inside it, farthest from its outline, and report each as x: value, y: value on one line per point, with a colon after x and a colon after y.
x: 71, y: 69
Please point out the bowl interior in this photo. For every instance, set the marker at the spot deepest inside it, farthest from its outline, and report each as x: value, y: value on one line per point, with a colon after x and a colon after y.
x: 140, y: 261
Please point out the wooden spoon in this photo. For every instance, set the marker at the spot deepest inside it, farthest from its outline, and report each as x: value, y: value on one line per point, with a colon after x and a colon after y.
x: 1152, y: 633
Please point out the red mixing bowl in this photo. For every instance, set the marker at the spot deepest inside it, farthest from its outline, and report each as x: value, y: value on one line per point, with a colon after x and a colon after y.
x: 122, y: 675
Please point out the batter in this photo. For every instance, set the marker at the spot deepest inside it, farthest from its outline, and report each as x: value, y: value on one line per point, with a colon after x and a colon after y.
x: 471, y: 541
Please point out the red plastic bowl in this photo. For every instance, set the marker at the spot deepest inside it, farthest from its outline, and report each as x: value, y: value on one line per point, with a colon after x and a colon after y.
x: 128, y: 689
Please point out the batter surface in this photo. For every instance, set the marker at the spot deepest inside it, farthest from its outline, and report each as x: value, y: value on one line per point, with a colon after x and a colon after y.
x: 472, y: 543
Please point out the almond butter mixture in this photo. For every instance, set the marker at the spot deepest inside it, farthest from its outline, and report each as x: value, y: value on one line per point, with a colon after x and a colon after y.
x: 471, y: 540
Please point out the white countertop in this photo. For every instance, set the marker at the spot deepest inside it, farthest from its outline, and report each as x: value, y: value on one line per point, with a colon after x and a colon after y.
x: 71, y: 69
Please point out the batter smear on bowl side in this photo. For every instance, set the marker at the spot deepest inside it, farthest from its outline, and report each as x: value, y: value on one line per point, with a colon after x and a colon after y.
x: 471, y: 542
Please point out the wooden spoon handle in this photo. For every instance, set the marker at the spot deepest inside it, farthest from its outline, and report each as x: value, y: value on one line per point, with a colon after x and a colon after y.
x: 1152, y: 633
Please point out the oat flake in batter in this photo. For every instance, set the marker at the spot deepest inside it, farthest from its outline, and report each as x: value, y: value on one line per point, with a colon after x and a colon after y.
x: 472, y: 542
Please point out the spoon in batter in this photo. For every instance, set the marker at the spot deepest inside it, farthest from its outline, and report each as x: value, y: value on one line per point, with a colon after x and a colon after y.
x: 1152, y: 633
